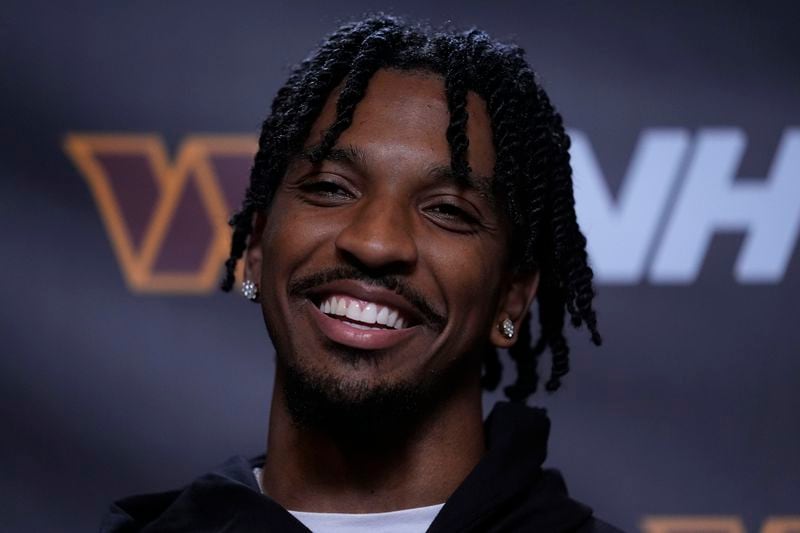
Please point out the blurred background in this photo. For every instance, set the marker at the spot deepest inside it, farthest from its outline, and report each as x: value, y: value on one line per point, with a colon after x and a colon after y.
x: 127, y: 131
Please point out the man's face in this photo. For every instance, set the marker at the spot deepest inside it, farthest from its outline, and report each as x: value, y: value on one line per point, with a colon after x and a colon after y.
x: 380, y: 232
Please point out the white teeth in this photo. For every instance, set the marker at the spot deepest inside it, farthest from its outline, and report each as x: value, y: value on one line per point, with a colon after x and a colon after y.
x: 383, y: 314
x: 353, y: 312
x: 391, y: 319
x: 370, y: 314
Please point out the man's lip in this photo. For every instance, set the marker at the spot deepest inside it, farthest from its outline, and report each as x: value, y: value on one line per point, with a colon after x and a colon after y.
x: 368, y: 293
x: 343, y: 333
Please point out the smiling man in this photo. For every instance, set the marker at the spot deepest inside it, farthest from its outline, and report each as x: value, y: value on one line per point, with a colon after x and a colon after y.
x: 410, y: 199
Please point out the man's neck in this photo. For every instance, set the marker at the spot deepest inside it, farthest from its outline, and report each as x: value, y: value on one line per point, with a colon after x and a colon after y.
x: 310, y: 470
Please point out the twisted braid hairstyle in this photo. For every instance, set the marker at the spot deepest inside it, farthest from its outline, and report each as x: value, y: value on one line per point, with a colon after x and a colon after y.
x: 532, y: 174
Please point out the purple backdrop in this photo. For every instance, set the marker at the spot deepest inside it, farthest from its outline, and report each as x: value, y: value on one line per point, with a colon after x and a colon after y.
x: 120, y: 372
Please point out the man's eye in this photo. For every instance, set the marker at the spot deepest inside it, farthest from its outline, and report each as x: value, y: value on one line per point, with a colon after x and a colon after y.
x: 450, y: 212
x: 326, y: 189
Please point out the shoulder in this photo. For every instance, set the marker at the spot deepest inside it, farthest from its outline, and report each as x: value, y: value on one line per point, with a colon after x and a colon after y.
x: 227, y: 497
x: 134, y: 512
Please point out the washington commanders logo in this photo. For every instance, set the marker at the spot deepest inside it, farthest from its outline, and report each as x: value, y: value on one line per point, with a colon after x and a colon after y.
x: 166, y: 216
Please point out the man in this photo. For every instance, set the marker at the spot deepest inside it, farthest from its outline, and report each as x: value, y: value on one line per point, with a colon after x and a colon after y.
x: 410, y: 198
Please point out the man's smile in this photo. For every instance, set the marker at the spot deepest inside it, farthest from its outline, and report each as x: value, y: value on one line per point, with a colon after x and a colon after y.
x: 362, y: 316
x: 395, y: 303
x: 365, y: 315
x: 357, y: 335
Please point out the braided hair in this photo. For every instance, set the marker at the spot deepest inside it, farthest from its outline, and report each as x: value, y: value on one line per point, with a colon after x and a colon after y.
x: 532, y: 173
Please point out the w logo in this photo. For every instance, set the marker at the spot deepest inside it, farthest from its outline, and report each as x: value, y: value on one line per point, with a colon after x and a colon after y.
x: 166, y: 217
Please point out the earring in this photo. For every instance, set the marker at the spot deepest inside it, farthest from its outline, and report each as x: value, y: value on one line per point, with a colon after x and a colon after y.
x: 250, y: 290
x: 507, y: 327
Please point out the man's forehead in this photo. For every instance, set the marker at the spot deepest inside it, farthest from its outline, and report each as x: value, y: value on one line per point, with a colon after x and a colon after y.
x: 401, y: 105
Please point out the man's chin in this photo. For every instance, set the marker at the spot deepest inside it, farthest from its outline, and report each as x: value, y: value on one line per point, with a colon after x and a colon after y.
x: 355, y: 411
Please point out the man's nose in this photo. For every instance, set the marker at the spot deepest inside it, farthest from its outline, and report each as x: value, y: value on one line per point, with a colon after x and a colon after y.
x: 379, y: 235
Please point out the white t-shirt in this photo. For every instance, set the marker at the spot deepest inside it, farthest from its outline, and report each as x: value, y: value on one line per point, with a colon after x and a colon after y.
x: 415, y: 520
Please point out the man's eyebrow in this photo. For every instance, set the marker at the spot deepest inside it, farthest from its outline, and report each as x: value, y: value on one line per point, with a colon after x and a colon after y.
x: 350, y: 155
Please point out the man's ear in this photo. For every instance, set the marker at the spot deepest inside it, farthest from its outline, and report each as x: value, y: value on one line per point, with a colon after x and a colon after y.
x: 514, y: 305
x: 254, y: 255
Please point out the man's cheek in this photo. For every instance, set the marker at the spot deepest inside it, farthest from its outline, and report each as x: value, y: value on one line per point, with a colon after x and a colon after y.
x: 475, y: 277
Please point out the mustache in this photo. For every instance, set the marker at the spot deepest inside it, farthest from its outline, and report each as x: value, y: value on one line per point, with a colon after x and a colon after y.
x: 301, y: 286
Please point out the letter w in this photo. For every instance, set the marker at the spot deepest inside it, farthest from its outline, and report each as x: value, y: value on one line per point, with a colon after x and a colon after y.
x: 142, y: 164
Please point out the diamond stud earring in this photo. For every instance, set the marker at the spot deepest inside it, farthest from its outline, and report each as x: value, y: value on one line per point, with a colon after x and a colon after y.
x: 250, y: 290
x: 507, y: 327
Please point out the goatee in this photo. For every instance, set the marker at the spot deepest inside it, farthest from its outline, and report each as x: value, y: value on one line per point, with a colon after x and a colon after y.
x: 362, y: 413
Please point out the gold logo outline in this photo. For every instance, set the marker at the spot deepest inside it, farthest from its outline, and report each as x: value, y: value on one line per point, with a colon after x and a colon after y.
x: 171, y: 177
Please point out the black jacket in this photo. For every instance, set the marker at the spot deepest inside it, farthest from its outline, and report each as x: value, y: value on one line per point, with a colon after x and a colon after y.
x: 507, y: 491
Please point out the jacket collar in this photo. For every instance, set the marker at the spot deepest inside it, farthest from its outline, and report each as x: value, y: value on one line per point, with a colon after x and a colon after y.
x: 509, y: 480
